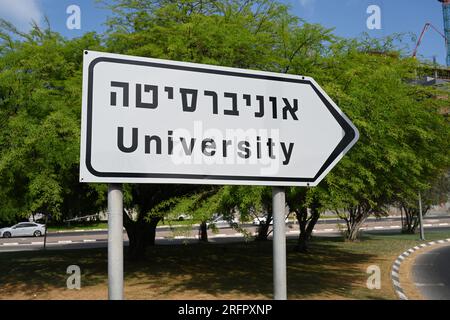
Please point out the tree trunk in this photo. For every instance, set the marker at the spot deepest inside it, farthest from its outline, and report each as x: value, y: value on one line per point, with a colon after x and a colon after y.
x: 302, y: 218
x: 306, y: 226
x: 353, y: 232
x: 263, y: 231
x: 357, y: 216
x: 141, y: 234
x: 411, y: 219
x: 203, y: 232
x: 302, y: 244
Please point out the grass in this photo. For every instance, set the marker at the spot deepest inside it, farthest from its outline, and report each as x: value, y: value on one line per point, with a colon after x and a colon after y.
x: 334, y: 269
x: 78, y: 226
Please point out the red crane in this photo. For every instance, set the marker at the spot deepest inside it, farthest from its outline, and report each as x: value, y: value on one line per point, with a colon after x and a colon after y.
x: 425, y: 29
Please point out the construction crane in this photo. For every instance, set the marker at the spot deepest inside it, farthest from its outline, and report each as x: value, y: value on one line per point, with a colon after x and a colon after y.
x: 446, y: 13
x: 427, y: 27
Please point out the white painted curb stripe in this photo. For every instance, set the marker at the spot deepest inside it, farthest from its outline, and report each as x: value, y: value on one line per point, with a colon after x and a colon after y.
x: 11, y: 244
x: 429, y: 284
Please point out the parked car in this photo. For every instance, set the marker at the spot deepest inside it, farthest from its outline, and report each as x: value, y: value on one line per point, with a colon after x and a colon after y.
x: 219, y: 220
x: 259, y: 220
x: 23, y: 229
x: 183, y: 216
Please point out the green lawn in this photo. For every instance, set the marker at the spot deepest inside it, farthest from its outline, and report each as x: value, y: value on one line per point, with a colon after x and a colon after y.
x: 334, y: 269
x: 79, y: 226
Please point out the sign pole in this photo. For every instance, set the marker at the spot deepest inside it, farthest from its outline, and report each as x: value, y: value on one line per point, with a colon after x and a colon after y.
x: 115, y: 242
x: 279, y: 243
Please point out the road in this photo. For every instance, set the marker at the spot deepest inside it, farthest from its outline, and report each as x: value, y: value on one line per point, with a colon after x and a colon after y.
x: 166, y: 235
x: 431, y: 273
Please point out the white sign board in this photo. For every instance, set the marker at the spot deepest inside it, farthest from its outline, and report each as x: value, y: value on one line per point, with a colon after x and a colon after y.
x: 157, y: 121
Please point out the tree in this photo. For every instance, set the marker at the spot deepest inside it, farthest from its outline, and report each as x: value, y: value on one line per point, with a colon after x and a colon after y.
x: 250, y: 203
x: 201, y: 205
x: 298, y: 201
x: 40, y: 102
x: 259, y: 34
x: 150, y: 202
x: 226, y: 33
x: 403, y: 138
x: 436, y: 194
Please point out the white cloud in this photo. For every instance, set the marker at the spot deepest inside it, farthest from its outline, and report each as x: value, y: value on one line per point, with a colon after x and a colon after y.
x: 307, y: 3
x: 21, y: 12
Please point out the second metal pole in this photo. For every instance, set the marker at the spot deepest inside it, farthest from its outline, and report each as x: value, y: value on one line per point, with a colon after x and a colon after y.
x: 422, y: 233
x: 115, y: 242
x: 279, y: 243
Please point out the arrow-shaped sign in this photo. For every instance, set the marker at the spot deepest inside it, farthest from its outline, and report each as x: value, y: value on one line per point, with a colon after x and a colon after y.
x: 157, y: 121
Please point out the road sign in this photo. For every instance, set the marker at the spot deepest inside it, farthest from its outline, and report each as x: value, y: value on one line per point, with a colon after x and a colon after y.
x: 157, y: 121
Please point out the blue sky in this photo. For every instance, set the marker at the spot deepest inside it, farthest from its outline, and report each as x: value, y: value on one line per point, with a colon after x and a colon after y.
x: 347, y: 17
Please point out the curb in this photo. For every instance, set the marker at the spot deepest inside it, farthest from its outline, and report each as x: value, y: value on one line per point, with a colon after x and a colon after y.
x: 397, y: 263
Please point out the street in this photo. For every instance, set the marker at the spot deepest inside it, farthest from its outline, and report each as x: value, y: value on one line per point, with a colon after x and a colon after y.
x: 166, y: 236
x: 431, y: 273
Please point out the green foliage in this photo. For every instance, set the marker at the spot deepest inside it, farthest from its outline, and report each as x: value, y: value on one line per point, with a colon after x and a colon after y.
x: 404, y: 141
x: 257, y: 34
x: 40, y: 107
x: 404, y: 145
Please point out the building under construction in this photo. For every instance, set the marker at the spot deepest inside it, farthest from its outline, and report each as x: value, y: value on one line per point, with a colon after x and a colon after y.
x: 435, y: 74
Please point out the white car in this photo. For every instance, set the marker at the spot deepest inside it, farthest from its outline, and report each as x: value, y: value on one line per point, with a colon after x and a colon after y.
x: 258, y: 221
x: 183, y: 217
x: 23, y: 229
x: 219, y: 220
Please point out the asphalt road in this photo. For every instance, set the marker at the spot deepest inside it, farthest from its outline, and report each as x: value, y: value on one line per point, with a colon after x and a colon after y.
x: 166, y: 236
x: 431, y: 273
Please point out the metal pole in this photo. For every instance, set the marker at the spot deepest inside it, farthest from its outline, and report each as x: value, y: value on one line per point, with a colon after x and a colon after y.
x: 422, y: 234
x: 115, y: 242
x: 279, y: 243
x: 435, y: 69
